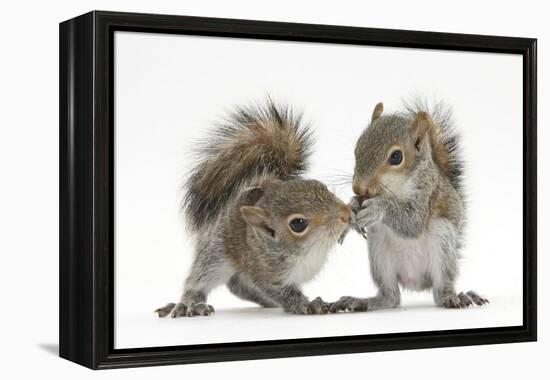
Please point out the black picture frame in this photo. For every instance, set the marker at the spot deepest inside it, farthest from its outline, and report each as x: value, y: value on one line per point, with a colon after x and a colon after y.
x: 86, y: 237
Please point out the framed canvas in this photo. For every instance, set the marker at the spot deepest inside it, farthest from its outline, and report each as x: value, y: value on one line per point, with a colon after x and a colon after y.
x: 165, y: 177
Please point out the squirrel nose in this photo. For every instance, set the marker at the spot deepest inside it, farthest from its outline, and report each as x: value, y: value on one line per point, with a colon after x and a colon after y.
x: 345, y: 214
x: 363, y: 190
x: 360, y: 189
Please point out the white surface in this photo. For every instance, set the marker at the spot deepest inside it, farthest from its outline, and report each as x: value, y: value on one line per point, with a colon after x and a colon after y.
x: 168, y: 91
x: 251, y: 323
x: 29, y: 191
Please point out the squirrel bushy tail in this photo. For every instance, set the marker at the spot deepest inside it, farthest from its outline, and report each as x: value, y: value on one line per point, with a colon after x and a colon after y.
x: 446, y: 141
x: 254, y: 142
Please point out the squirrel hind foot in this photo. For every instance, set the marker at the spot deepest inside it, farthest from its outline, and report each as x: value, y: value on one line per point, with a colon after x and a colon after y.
x: 165, y: 310
x: 463, y: 300
x: 200, y: 309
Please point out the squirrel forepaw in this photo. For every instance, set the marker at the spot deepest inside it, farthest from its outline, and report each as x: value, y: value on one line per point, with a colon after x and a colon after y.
x: 370, y: 213
x: 318, y: 306
x: 180, y: 310
x: 201, y: 309
x: 315, y: 307
x: 347, y: 303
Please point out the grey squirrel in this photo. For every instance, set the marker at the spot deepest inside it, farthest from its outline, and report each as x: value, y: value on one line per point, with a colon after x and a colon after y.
x: 410, y: 203
x: 259, y: 227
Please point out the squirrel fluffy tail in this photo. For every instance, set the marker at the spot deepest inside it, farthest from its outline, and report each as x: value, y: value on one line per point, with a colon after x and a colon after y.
x: 447, y: 141
x: 255, y: 142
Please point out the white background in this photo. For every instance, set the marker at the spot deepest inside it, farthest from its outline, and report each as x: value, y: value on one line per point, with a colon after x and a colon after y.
x: 29, y: 158
x: 169, y: 89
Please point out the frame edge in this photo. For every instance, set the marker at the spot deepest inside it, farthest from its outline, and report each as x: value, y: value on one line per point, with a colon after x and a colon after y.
x: 84, y: 114
x: 76, y: 254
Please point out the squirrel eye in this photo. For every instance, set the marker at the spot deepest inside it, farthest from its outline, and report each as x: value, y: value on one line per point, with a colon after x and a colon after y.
x: 396, y: 157
x: 298, y: 224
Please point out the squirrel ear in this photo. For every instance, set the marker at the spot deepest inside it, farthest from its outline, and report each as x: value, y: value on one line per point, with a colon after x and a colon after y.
x: 419, y: 127
x: 258, y: 218
x: 377, y: 111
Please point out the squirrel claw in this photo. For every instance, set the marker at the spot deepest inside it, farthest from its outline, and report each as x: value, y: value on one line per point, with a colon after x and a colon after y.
x: 347, y: 303
x: 342, y: 237
x: 200, y: 309
x: 165, y: 310
x: 315, y: 307
x: 477, y: 299
x: 179, y: 310
x: 463, y: 300
x: 318, y: 306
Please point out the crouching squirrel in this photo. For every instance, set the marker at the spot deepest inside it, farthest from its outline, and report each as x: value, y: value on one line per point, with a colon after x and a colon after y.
x: 410, y: 203
x: 259, y: 227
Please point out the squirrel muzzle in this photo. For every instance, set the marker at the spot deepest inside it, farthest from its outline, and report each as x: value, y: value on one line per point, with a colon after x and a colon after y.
x: 364, y: 190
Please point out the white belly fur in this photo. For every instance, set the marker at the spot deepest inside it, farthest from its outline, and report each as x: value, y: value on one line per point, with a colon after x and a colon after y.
x: 408, y: 260
x: 307, y: 266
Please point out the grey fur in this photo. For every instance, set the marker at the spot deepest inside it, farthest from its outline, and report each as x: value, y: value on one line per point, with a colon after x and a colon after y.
x: 413, y: 214
x: 165, y: 310
x: 241, y: 219
x: 236, y: 155
x: 246, y: 290
x: 442, y: 115
x: 179, y: 310
x: 477, y: 299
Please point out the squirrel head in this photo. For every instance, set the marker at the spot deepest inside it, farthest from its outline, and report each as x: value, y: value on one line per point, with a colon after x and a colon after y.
x: 297, y: 212
x: 388, y: 152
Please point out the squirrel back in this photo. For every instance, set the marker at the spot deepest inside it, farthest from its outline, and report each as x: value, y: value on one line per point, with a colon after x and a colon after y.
x: 254, y: 143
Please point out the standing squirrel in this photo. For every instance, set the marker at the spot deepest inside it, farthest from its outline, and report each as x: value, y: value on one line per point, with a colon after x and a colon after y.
x: 410, y: 203
x: 259, y: 228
